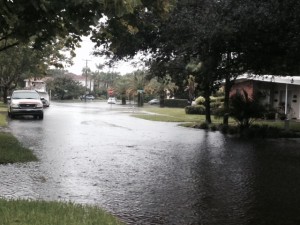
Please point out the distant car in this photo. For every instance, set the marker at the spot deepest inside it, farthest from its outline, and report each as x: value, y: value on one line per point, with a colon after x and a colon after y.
x: 111, y: 100
x: 153, y: 102
x: 25, y: 102
x: 87, y: 97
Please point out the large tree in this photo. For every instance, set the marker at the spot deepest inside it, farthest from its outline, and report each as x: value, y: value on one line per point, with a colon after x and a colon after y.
x: 22, y: 61
x: 42, y: 21
x: 238, y: 36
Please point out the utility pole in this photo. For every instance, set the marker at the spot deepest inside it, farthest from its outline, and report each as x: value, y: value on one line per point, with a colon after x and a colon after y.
x: 86, y: 75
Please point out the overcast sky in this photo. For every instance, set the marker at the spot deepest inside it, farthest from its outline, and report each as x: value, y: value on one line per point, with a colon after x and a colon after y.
x: 85, y: 53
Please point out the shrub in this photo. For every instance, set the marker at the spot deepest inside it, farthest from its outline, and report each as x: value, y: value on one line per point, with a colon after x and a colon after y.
x: 245, y: 109
x: 198, y: 109
x: 213, y: 127
x: 200, y: 100
x: 176, y: 103
x: 204, y: 126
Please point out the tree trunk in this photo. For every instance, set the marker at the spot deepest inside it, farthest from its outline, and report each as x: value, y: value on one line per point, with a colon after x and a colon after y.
x: 207, y: 105
x: 5, y: 93
x: 140, y: 99
x: 123, y: 99
x: 226, y: 99
x: 162, y: 99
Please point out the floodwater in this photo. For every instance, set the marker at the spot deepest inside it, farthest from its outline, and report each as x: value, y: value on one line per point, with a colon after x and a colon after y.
x: 149, y: 172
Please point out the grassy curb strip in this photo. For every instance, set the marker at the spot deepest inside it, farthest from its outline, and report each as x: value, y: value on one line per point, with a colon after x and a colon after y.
x: 24, y: 212
x: 12, y: 151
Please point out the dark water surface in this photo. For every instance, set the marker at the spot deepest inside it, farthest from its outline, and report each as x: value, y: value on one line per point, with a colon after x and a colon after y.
x: 152, y: 172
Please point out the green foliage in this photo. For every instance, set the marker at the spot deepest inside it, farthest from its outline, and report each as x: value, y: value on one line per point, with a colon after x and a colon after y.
x: 245, y: 109
x: 25, y: 212
x: 65, y: 88
x: 11, y: 151
x: 200, y: 100
x: 176, y: 103
x: 42, y: 22
x: 198, y: 109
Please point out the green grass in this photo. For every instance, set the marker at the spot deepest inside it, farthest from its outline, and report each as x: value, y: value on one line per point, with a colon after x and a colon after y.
x: 178, y: 115
x: 3, y: 113
x: 293, y: 124
x: 11, y: 151
x: 25, y: 212
x: 172, y: 115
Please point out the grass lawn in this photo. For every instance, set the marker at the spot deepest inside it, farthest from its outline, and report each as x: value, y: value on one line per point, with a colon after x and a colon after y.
x: 3, y: 113
x: 172, y: 115
x: 11, y: 151
x: 26, y: 212
x: 178, y: 115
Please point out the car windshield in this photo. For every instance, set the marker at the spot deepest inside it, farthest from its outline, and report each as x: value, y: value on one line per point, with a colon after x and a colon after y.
x: 25, y: 95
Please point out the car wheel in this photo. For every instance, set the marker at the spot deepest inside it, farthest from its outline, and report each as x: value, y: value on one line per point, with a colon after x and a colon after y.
x: 41, y: 116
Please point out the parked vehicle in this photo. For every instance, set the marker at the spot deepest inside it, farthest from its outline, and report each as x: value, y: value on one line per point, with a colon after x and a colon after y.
x: 45, y: 98
x: 153, y: 102
x: 87, y: 97
x: 112, y: 100
x: 45, y: 103
x: 25, y: 102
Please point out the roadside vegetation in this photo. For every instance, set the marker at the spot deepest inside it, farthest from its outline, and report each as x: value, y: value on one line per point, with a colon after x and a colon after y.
x: 259, y: 128
x: 24, y: 212
x: 11, y: 151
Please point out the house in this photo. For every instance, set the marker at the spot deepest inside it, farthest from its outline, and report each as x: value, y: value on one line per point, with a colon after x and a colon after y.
x: 281, y: 93
x: 38, y: 85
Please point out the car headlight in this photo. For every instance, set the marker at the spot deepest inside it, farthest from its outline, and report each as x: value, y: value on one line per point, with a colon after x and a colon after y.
x: 39, y: 105
x: 14, y: 105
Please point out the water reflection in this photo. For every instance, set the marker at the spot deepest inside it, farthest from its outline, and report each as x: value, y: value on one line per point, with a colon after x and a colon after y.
x: 155, y: 173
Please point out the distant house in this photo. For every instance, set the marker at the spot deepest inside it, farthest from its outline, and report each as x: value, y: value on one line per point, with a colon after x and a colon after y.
x: 38, y: 85
x: 278, y: 92
x: 83, y: 80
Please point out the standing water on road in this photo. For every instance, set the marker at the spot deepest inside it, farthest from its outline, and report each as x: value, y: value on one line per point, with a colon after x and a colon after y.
x: 148, y: 172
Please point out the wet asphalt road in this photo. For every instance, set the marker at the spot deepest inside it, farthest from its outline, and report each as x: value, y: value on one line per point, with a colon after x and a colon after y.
x: 151, y: 172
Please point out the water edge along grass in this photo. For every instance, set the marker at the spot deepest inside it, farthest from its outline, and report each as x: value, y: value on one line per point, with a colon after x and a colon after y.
x: 11, y: 150
x: 29, y: 212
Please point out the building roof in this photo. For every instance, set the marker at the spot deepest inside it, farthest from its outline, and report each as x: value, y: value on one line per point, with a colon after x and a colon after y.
x: 270, y: 78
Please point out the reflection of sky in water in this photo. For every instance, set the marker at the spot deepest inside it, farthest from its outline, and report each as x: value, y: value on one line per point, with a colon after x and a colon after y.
x: 151, y: 172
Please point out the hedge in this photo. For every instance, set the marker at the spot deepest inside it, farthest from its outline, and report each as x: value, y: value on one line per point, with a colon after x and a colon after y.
x: 176, y: 103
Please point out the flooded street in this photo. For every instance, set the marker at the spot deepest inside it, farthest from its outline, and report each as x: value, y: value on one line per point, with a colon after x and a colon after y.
x: 149, y: 172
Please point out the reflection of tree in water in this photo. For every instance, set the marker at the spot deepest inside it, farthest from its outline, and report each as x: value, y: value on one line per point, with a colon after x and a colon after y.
x: 222, y: 176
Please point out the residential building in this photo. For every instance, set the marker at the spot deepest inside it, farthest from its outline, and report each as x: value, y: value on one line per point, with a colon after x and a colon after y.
x: 281, y: 93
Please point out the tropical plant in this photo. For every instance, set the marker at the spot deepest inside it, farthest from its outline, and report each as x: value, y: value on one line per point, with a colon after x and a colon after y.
x: 162, y: 87
x: 245, y: 109
x: 122, y: 86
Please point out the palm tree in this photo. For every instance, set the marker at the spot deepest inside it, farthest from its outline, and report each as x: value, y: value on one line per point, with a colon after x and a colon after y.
x: 122, y: 85
x: 160, y: 86
x: 245, y: 109
x: 138, y: 82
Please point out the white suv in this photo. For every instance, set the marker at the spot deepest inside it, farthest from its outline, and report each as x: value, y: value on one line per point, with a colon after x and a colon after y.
x: 25, y: 102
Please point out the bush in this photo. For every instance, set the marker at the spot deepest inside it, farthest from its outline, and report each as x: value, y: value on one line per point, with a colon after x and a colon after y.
x: 213, y: 127
x: 204, y: 126
x: 198, y: 109
x: 176, y: 103
x: 270, y: 115
x: 200, y: 100
x: 216, y: 105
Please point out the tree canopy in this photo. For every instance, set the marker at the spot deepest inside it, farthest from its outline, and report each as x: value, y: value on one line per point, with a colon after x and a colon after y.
x: 42, y: 21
